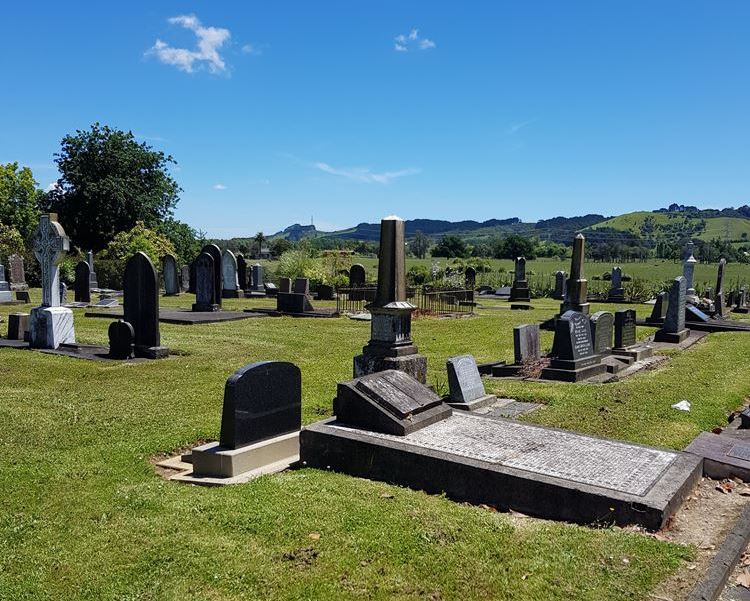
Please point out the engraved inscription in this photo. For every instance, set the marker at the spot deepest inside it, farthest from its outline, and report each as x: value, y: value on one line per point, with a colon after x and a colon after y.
x: 740, y: 451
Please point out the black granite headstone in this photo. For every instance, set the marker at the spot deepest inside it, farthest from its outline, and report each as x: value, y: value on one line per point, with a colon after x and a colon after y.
x: 624, y: 328
x: 242, y: 272
x: 82, y: 282
x: 470, y: 278
x: 261, y: 401
x: 602, y: 323
x: 573, y: 337
x: 357, y: 276
x: 121, y: 340
x: 203, y: 282
x: 141, y: 305
x: 215, y: 253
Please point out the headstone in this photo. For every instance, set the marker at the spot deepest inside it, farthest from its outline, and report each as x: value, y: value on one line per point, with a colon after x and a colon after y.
x: 390, y: 402
x: 357, y: 276
x: 659, y: 311
x: 191, y: 279
x: 285, y: 285
x: 5, y: 294
x: 18, y: 325
x: 261, y: 400
x: 325, y: 292
x: 229, y: 275
x: 602, y: 327
x: 92, y: 276
x: 526, y: 346
x: 301, y: 286
x: 141, y: 305
x: 465, y: 384
x: 17, y: 273
x: 121, y: 340
x: 470, y: 278
x: 719, y: 302
x: 204, y: 283
x: 616, y: 291
x: 171, y: 280
x: 63, y: 293
x: 673, y: 329
x: 257, y: 275
x: 23, y: 296
x: 688, y: 270
x: 215, y: 253
x: 624, y: 328
x: 185, y: 278
x: 709, y: 293
x: 519, y: 291
x: 242, y: 272
x: 50, y: 324
x: 82, y: 284
x: 574, y: 355
x: 576, y: 293
x: 560, y: 284
x: 390, y: 345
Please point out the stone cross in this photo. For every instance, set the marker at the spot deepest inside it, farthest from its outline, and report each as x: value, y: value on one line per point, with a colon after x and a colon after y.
x: 50, y: 245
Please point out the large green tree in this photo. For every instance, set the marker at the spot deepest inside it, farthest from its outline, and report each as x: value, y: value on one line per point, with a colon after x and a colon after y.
x: 450, y: 246
x: 108, y: 182
x: 19, y: 199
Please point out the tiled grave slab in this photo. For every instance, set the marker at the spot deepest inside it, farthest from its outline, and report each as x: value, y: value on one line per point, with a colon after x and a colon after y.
x: 538, y: 471
x: 184, y: 317
x: 723, y: 456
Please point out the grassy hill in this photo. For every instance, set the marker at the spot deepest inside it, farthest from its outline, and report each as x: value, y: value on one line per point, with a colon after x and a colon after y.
x: 665, y: 225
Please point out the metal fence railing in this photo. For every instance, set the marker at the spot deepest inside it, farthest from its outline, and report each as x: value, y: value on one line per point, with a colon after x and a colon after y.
x: 432, y: 302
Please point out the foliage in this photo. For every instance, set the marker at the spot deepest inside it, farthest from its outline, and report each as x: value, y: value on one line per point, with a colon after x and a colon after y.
x: 515, y: 246
x: 299, y: 263
x: 108, y: 183
x: 335, y: 264
x: 187, y: 242
x: 11, y: 242
x: 417, y: 275
x: 110, y: 266
x: 279, y: 246
x: 19, y: 199
x: 259, y: 239
x: 420, y: 246
x: 450, y: 246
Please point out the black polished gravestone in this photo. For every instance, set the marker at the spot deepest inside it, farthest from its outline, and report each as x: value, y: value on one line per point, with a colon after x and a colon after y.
x: 242, y: 272
x: 357, y: 276
x: 390, y: 402
x: 465, y: 384
x: 574, y: 357
x: 602, y: 327
x: 203, y: 283
x: 121, y: 340
x: 625, y: 340
x: 519, y: 291
x: 218, y: 281
x: 526, y: 350
x: 260, y: 423
x: 82, y: 284
x: 659, y: 310
x: 141, y: 306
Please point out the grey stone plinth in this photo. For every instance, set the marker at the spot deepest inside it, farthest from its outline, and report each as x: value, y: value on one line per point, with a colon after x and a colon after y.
x: 414, y: 364
x: 637, y: 352
x: 538, y: 471
x: 6, y: 296
x: 49, y: 327
x: 478, y: 403
x: 671, y: 337
x: 573, y: 374
x: 214, y: 461
x: 232, y: 294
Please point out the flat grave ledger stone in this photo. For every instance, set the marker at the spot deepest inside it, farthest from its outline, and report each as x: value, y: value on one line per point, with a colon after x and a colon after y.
x: 538, y: 471
x: 18, y: 325
x: 390, y: 401
x: 17, y: 273
x: 23, y: 296
x: 5, y: 294
x: 215, y: 253
x: 141, y: 306
x: 723, y: 456
x: 50, y: 325
x: 465, y: 384
x: 602, y: 328
x: 121, y: 340
x: 357, y: 276
x: 229, y: 276
x: 185, y: 278
x: 204, y: 284
x: 82, y: 284
x: 257, y: 275
x: 270, y: 289
x: 171, y: 278
x: 674, y: 330
x: 260, y: 423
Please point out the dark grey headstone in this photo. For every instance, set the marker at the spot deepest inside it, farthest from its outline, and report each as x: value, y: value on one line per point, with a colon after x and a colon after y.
x: 526, y: 343
x: 573, y: 336
x: 17, y: 271
x: 82, y: 292
x: 602, y: 324
x: 470, y: 278
x: 285, y: 285
x: 215, y: 253
x: 171, y: 279
x: 121, y: 340
x: 659, y: 311
x: 357, y: 276
x: 675, y: 319
x: 242, y: 272
x: 204, y: 283
x: 261, y: 401
x: 624, y: 328
x: 616, y: 281
x: 4, y: 284
x: 464, y: 380
x: 191, y: 279
x: 560, y: 283
x: 301, y: 286
x: 391, y: 402
x: 185, y: 278
x: 141, y: 302
x: 257, y: 277
x: 520, y: 268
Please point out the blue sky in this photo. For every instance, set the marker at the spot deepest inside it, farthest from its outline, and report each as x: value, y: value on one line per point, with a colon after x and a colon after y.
x: 349, y: 111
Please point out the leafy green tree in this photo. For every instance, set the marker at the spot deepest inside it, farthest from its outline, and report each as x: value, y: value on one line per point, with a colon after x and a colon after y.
x: 259, y: 239
x: 450, y: 246
x: 279, y: 246
x: 11, y: 241
x: 111, y: 264
x: 108, y: 183
x: 187, y: 242
x: 420, y: 245
x: 19, y: 199
x: 515, y: 246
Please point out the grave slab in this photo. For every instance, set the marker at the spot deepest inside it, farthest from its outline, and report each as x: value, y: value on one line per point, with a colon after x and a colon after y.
x: 183, y: 316
x: 723, y: 456
x: 538, y: 471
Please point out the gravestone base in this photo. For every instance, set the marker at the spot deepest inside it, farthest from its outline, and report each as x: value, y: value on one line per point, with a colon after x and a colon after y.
x: 206, y: 307
x: 537, y: 471
x: 615, y: 364
x: 519, y: 307
x: 723, y: 456
x: 6, y: 296
x: 413, y: 363
x: 151, y: 352
x: 49, y: 327
x: 214, y: 461
x: 616, y: 295
x: 171, y: 294
x: 473, y: 405
x: 18, y: 325
x: 637, y: 352
x: 292, y: 302
x: 232, y: 294
x: 520, y: 293
x: 571, y: 373
x: 506, y: 370
x: 671, y: 337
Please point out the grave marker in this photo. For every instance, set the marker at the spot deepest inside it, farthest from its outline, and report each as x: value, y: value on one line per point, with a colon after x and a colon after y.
x: 171, y: 280
x: 616, y: 292
x: 121, y: 340
x: 602, y: 323
x: 257, y: 275
x: 17, y: 273
x: 204, y: 283
x: 465, y: 384
x: 215, y: 253
x: 229, y: 276
x: 5, y: 294
x: 82, y: 283
x: 141, y: 306
x: 674, y: 330
x: 560, y: 285
x: 519, y: 291
x: 357, y: 276
x: 576, y: 292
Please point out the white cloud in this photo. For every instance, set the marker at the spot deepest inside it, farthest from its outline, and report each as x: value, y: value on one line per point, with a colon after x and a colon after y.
x: 251, y: 49
x: 209, y: 42
x: 402, y: 42
x: 219, y: 187
x: 516, y: 127
x: 365, y: 174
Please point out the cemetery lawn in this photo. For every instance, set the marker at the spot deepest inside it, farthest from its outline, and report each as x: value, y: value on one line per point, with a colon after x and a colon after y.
x: 83, y: 514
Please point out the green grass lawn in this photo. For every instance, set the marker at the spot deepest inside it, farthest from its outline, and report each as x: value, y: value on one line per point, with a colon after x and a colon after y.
x: 84, y: 516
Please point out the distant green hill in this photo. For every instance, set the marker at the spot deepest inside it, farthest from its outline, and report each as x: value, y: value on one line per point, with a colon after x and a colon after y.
x: 658, y: 225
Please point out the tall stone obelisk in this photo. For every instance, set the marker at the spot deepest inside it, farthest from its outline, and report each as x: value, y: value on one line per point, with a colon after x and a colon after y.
x: 576, y: 293
x: 391, y: 346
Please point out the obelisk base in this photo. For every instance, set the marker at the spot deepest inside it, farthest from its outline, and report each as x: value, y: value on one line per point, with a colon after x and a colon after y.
x: 49, y: 327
